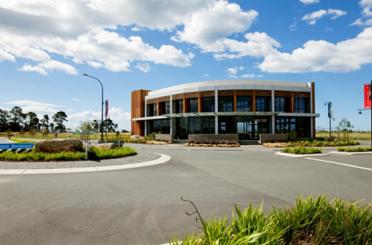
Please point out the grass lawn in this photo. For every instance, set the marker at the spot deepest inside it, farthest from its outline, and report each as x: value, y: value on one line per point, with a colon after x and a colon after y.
x: 310, y: 221
x: 301, y: 150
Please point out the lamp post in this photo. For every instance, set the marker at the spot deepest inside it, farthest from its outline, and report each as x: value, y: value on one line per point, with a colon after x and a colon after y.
x: 329, y: 106
x: 99, y: 81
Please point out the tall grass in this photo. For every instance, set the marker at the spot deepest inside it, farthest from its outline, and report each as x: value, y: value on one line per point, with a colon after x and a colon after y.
x: 355, y: 149
x: 96, y: 153
x: 301, y: 150
x: 310, y: 221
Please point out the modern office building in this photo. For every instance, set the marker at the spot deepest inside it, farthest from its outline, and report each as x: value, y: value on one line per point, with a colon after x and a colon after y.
x: 244, y: 107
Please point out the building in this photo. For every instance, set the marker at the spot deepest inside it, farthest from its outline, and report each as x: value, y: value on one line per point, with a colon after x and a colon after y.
x: 244, y: 107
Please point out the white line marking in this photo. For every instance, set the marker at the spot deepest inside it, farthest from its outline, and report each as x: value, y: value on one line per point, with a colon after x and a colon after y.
x: 162, y: 159
x: 338, y: 163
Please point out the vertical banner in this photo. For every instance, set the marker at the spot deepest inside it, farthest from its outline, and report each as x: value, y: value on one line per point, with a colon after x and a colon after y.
x: 107, y: 108
x: 367, y: 96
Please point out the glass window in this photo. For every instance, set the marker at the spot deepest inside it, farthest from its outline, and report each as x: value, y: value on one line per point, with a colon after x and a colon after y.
x: 178, y: 106
x: 301, y: 104
x: 193, y: 102
x: 151, y: 110
x: 226, y: 103
x: 194, y: 125
x: 262, y: 103
x: 167, y: 107
x: 207, y: 125
x: 279, y: 104
x: 208, y: 104
x: 162, y: 126
x: 244, y: 103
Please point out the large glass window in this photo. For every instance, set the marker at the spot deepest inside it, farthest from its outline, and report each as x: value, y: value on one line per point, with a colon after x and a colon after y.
x: 280, y: 104
x: 161, y: 126
x: 167, y: 107
x: 207, y: 125
x: 208, y: 104
x: 178, y: 106
x: 227, y: 125
x: 262, y: 103
x: 193, y: 105
x: 244, y: 103
x: 194, y: 125
x: 151, y: 110
x: 226, y: 104
x: 301, y: 104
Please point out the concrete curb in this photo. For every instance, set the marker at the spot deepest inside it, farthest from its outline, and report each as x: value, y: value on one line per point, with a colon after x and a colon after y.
x: 162, y: 159
x: 350, y: 153
x: 299, y: 155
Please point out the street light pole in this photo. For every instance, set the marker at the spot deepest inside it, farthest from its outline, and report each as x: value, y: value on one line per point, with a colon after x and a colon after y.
x: 99, y: 81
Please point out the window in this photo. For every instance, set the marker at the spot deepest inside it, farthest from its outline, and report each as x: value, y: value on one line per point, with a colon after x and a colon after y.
x: 194, y: 125
x: 280, y: 104
x: 207, y: 125
x: 208, y: 104
x: 162, y: 126
x: 244, y: 103
x: 226, y: 103
x: 301, y: 104
x: 262, y: 103
x: 167, y: 107
x: 151, y: 110
x: 193, y: 102
x: 178, y: 106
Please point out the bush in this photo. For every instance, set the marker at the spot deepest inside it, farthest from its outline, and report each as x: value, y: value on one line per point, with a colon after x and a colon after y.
x: 321, y: 143
x: 96, y: 153
x: 310, y: 221
x: 302, y: 150
x: 355, y: 149
x: 54, y: 146
x: 42, y: 156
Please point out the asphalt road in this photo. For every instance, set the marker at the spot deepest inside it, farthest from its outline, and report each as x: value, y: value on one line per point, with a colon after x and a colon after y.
x: 142, y: 206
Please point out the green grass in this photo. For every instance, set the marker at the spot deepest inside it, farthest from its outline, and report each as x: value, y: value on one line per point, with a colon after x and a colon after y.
x: 310, y: 221
x: 94, y: 154
x: 321, y: 143
x: 301, y: 150
x: 355, y: 149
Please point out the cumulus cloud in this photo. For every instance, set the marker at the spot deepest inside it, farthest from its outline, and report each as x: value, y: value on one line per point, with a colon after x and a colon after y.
x: 233, y: 71
x: 50, y: 65
x: 309, y: 1
x: 366, y: 18
x: 144, y: 67
x: 315, y: 56
x: 313, y: 17
x: 36, y: 106
x: 208, y: 27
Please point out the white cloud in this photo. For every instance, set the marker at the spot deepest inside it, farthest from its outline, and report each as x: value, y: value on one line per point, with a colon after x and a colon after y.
x: 5, y: 56
x: 315, y: 56
x: 31, y: 68
x: 313, y: 17
x: 251, y: 75
x: 144, y: 67
x: 309, y: 1
x: 366, y: 19
x: 208, y: 27
x: 49, y: 65
x: 36, y: 106
x: 233, y: 71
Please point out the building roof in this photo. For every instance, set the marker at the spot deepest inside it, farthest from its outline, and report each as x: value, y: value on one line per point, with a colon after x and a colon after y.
x: 229, y: 85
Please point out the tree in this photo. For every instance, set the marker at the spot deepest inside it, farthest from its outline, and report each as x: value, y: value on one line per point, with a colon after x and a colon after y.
x: 32, y: 122
x: 346, y: 127
x: 110, y: 125
x: 58, y: 119
x: 44, y: 123
x: 95, y: 125
x: 16, y: 119
x: 4, y: 120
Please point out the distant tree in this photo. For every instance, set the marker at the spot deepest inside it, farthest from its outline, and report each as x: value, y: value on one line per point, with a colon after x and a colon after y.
x: 4, y: 120
x: 59, y: 119
x: 32, y: 122
x: 95, y: 125
x: 16, y: 119
x: 346, y: 127
x: 44, y: 124
x: 85, y: 129
x: 110, y: 125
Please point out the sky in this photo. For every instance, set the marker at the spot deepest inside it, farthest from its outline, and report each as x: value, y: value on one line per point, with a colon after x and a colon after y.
x: 46, y: 46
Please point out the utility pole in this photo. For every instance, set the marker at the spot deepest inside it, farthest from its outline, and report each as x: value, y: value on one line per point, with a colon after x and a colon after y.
x: 330, y: 116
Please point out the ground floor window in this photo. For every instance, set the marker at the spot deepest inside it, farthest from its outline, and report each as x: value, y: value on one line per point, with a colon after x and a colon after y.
x: 161, y: 126
x: 298, y: 126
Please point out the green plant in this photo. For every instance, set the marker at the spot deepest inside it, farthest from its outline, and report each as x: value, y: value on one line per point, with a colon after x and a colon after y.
x: 301, y: 150
x: 355, y: 149
x: 41, y: 156
x: 309, y: 221
x: 321, y: 143
x: 96, y: 153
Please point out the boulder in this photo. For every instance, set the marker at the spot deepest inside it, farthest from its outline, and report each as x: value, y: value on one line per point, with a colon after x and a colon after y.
x: 54, y: 146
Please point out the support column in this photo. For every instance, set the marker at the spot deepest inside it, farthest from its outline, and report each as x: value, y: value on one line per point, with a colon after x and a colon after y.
x: 312, y: 109
x: 216, y: 111
x: 273, y: 111
x: 145, y: 121
x: 235, y: 101
x: 171, y: 116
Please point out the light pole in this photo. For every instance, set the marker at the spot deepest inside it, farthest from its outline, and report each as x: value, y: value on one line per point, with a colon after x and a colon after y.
x: 101, y: 126
x: 329, y: 106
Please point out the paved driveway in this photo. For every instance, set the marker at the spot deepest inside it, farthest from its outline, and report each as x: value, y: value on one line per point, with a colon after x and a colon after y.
x: 142, y: 206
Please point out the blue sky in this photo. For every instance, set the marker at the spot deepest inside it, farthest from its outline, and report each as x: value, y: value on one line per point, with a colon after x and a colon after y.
x: 45, y: 46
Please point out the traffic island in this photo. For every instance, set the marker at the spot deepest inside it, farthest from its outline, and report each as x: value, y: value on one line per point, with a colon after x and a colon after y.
x: 300, y: 152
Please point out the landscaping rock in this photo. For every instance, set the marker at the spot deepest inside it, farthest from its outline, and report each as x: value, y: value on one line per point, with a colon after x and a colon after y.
x: 106, y: 146
x: 54, y: 146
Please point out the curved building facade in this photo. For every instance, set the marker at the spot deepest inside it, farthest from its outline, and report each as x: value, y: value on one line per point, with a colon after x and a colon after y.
x: 244, y: 107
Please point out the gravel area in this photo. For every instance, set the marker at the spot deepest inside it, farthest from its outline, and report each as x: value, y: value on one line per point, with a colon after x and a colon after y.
x: 142, y: 156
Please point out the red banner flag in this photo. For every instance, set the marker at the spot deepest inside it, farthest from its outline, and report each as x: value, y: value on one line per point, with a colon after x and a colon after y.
x: 107, y: 108
x: 367, y: 96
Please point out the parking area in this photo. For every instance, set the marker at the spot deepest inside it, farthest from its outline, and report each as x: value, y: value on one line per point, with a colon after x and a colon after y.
x: 142, y: 206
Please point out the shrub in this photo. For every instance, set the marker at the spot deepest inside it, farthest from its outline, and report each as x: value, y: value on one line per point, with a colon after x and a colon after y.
x: 54, y: 146
x: 355, y: 149
x: 41, y: 156
x: 321, y: 143
x: 310, y: 221
x: 302, y: 150
x: 96, y: 153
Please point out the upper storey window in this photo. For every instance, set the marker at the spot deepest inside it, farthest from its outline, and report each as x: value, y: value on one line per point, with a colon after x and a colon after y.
x: 244, y: 103
x: 226, y: 104
x: 208, y: 104
x: 282, y: 104
x: 301, y: 104
x: 167, y: 107
x: 178, y: 106
x: 262, y: 103
x: 151, y: 110
x: 193, y: 105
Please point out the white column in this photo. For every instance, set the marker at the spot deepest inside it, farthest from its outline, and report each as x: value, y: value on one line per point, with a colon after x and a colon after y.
x: 311, y: 111
x: 273, y: 110
x: 215, y: 110
x: 171, y: 113
x: 145, y: 121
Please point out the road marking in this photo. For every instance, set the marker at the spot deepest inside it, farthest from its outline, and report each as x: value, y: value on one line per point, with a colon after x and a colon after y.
x: 338, y: 163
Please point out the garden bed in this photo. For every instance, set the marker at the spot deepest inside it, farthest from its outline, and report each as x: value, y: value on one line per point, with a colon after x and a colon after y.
x: 301, y: 150
x: 93, y: 154
x: 355, y: 149
x: 309, y: 221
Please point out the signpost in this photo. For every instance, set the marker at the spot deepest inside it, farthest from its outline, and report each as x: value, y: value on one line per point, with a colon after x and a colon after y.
x: 368, y: 101
x: 16, y: 146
